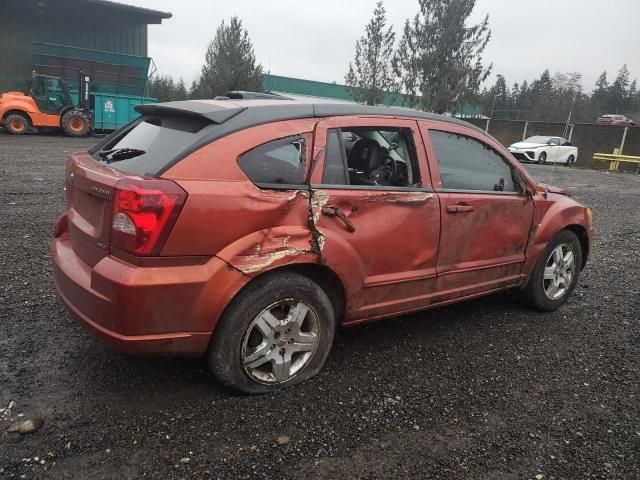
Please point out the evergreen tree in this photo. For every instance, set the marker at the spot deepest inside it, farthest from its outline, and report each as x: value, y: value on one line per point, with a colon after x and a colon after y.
x: 370, y: 74
x: 230, y: 63
x: 500, y: 95
x: 619, y: 91
x: 439, y: 57
x: 181, y: 90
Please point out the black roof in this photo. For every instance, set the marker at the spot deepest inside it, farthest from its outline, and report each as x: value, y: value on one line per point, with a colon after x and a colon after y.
x: 249, y: 113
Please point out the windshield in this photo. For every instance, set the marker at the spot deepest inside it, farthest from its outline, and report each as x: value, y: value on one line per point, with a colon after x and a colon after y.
x: 538, y: 140
x: 151, y: 145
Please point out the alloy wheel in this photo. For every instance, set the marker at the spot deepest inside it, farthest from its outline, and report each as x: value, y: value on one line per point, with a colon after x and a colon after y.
x: 280, y: 341
x: 559, y: 271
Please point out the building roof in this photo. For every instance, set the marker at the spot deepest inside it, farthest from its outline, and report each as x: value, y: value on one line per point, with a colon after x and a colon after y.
x: 151, y: 16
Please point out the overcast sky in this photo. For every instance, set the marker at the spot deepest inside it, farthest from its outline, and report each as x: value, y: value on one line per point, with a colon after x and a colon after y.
x: 315, y: 39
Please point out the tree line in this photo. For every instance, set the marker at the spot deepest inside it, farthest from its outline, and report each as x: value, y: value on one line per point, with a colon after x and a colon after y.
x: 436, y: 65
x: 553, y: 97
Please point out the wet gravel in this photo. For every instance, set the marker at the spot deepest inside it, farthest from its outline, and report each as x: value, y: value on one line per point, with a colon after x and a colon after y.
x: 485, y: 389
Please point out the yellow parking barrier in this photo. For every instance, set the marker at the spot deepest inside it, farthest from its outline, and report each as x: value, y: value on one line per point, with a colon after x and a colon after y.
x: 614, y: 159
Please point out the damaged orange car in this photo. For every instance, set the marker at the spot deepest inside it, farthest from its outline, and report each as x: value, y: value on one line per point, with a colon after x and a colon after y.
x: 248, y: 230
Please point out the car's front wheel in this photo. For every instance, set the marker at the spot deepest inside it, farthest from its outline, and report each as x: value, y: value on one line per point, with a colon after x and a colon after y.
x: 542, y: 158
x: 570, y: 160
x: 277, y: 332
x: 556, y: 273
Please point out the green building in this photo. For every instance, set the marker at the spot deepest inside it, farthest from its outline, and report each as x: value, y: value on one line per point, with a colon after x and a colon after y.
x: 299, y: 88
x: 92, y: 24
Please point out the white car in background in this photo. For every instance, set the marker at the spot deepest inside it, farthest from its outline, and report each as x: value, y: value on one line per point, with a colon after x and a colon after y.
x: 545, y: 150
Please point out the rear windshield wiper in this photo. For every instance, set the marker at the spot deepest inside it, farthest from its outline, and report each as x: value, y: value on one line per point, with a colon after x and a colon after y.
x: 117, y: 154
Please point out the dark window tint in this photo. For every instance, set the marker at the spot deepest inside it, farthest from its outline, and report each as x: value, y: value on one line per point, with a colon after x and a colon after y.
x: 334, y: 172
x: 467, y: 164
x: 157, y: 139
x: 280, y: 162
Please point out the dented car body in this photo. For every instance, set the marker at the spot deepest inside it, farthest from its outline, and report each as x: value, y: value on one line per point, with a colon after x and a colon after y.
x: 387, y: 211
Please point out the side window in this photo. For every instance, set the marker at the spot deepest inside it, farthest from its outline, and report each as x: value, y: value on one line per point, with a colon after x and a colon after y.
x: 276, y: 163
x: 371, y: 156
x: 467, y: 164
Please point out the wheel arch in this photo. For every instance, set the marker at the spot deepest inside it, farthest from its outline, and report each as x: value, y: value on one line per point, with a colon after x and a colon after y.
x: 321, y: 274
x: 564, y: 214
x: 16, y: 111
x: 324, y: 276
x: 64, y: 111
x: 583, y: 236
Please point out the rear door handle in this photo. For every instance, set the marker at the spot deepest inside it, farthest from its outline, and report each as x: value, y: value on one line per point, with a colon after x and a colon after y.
x: 333, y: 211
x: 459, y: 208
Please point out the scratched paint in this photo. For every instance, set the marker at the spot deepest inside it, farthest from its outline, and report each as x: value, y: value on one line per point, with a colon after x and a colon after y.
x: 401, y: 197
x: 260, y: 260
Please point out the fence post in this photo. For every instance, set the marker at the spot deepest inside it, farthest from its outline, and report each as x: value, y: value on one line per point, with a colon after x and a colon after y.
x: 624, y: 137
x: 486, y: 127
x: 524, y: 132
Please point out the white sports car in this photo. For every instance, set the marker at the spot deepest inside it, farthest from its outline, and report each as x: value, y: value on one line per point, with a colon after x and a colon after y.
x: 545, y: 150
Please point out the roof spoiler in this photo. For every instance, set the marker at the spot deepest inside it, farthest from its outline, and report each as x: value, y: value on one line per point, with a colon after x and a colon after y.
x: 246, y: 95
x: 191, y: 108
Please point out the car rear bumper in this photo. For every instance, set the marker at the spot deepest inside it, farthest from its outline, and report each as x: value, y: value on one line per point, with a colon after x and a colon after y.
x: 155, y: 310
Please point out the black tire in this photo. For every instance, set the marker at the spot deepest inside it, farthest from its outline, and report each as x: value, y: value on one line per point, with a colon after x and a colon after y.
x: 225, y: 349
x: 542, y: 158
x: 17, y: 124
x: 570, y: 160
x: 533, y: 294
x: 76, y: 123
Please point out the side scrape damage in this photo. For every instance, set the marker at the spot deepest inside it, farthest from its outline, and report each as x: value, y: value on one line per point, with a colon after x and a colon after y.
x: 317, y: 200
x: 261, y: 260
x: 267, y: 247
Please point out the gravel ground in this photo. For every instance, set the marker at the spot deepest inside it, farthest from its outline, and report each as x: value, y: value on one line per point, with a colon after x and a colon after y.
x: 485, y: 389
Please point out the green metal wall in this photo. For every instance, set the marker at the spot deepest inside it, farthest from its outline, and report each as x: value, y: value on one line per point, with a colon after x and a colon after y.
x: 79, y: 24
x: 312, y: 88
x: 276, y: 83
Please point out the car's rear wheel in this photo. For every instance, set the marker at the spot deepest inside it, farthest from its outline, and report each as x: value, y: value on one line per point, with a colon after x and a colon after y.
x: 276, y: 333
x: 542, y: 158
x: 570, y: 160
x: 556, y: 273
x: 16, y: 124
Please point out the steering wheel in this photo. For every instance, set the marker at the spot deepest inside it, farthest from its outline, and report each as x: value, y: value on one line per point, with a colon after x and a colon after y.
x: 387, y: 172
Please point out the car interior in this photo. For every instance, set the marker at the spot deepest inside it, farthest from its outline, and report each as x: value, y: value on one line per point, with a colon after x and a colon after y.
x: 380, y: 157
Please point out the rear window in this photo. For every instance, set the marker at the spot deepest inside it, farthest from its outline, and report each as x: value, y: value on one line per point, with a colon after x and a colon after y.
x: 150, y: 146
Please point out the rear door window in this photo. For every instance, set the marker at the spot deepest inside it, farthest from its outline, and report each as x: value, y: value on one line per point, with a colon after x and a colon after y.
x: 276, y: 164
x: 151, y: 145
x: 382, y: 157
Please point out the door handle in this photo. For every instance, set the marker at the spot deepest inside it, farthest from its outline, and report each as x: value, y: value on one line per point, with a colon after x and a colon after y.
x: 333, y: 211
x: 461, y: 207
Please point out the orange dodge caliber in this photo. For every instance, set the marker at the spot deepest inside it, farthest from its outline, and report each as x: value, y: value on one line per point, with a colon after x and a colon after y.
x: 248, y: 230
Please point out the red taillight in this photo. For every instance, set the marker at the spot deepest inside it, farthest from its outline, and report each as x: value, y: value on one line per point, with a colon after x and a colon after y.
x: 144, y: 213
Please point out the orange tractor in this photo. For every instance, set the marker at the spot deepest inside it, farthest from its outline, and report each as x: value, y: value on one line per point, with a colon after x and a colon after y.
x: 47, y: 103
